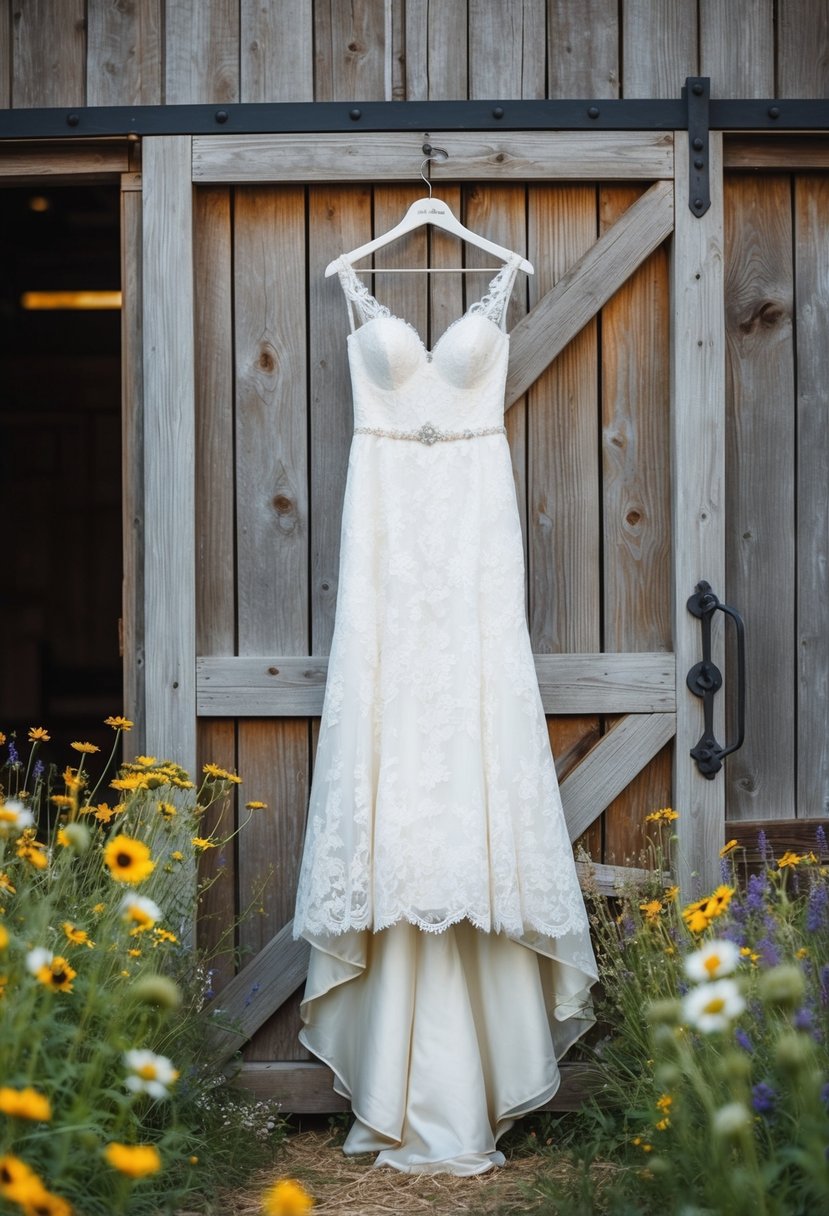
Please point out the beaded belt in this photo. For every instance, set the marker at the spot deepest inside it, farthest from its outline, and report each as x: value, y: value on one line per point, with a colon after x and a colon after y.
x: 429, y: 433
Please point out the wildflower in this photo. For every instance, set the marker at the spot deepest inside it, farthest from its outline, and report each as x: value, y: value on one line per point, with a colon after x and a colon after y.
x: 166, y: 809
x: 32, y: 850
x: 213, y: 770
x: 78, y: 937
x: 256, y: 806
x: 643, y: 1144
x: 286, y: 1198
x: 2, y: 738
x: 743, y: 1040
x: 695, y: 916
x: 98, y: 909
x: 757, y: 890
x: 711, y: 1007
x: 143, y: 912
x: 201, y: 844
x: 804, y: 1019
x: 63, y: 801
x: 762, y: 845
x: 135, y: 1160
x: 38, y: 734
x: 662, y: 1124
x: 86, y: 749
x: 163, y: 935
x: 25, y: 1104
x: 149, y: 1073
x: 652, y: 910
x: 54, y: 973
x: 157, y: 990
x: 4, y: 937
x: 103, y: 812
x: 119, y: 723
x: 128, y: 860
x: 717, y: 903
x: 14, y: 817
x: 803, y: 952
x: 664, y: 1102
x: 783, y: 986
x: 671, y: 893
x: 731, y: 1120
x: 13, y: 1172
x: 76, y: 837
x: 177, y: 855
x: 6, y: 884
x: 665, y: 815
x: 728, y: 846
x: 788, y: 859
x: 132, y: 781
x: 134, y: 953
x: 816, y: 908
x: 713, y: 960
x: 146, y: 761
x: 820, y: 838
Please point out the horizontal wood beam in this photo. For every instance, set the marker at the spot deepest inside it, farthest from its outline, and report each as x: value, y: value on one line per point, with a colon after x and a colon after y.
x: 289, y: 685
x: 579, y: 294
x: 611, y: 765
x: 781, y: 834
x: 36, y: 162
x: 609, y: 880
x: 396, y: 156
x: 306, y: 1087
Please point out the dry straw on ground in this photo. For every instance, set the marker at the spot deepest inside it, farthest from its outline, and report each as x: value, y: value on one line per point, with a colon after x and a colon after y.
x: 348, y: 1186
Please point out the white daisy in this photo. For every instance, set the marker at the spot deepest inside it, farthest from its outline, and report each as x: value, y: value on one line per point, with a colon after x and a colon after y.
x: 713, y: 960
x: 149, y: 1073
x: 14, y: 817
x: 139, y: 908
x: 712, y: 1006
x: 37, y: 958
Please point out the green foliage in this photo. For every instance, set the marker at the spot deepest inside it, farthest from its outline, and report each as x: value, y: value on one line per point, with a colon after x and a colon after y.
x: 715, y: 1047
x: 96, y: 961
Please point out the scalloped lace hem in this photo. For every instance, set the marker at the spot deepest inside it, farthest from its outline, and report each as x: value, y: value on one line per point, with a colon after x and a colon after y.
x: 485, y: 924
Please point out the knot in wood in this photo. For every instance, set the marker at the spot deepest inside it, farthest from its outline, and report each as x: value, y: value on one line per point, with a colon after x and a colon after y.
x: 267, y: 361
x: 768, y: 314
x: 282, y: 504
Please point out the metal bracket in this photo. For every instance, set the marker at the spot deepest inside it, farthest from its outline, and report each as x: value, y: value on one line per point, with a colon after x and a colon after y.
x: 705, y: 680
x: 696, y: 94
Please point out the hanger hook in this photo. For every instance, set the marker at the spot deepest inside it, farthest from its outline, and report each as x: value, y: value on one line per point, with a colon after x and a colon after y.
x: 439, y: 154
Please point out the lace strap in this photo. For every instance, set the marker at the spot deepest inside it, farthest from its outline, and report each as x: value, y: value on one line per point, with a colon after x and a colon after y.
x: 494, y: 303
x: 362, y: 306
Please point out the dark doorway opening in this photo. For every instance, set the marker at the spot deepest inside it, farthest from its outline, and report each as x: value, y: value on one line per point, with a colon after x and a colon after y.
x: 60, y: 464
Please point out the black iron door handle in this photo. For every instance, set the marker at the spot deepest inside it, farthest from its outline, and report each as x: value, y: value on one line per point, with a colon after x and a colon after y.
x: 705, y: 680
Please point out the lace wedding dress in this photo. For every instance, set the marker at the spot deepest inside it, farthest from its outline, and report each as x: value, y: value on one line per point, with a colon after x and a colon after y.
x: 451, y: 961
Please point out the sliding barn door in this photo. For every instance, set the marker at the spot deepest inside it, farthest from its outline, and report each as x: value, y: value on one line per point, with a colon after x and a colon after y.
x: 615, y: 358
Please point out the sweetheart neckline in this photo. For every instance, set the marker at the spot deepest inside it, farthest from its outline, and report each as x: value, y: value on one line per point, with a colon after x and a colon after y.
x: 429, y: 354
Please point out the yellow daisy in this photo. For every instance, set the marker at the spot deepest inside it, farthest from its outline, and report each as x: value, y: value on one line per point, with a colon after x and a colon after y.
x: 118, y: 723
x: 78, y: 937
x: 128, y: 860
x: 134, y: 1160
x: 25, y: 1104
x: 39, y: 734
x: 201, y: 844
x: 286, y: 1198
x: 88, y: 749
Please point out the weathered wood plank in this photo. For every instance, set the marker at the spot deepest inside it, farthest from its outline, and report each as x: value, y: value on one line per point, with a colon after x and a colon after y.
x: 48, y: 53
x: 396, y: 156
x: 437, y: 51
x: 563, y: 471
x: 132, y: 465
x: 698, y: 498
x: 799, y: 835
x: 587, y: 285
x: 339, y: 219
x: 272, y: 544
x: 277, y: 42
x: 802, y: 49
x: 636, y: 522
x: 201, y: 52
x: 257, y: 991
x: 811, y: 225
x: 5, y: 57
x: 308, y: 1088
x: 288, y: 685
x: 555, y: 155
x: 506, y: 48
x: 776, y: 152
x: 611, y: 765
x: 33, y: 161
x: 737, y: 47
x: 582, y: 48
x: 350, y: 42
x: 610, y: 880
x: 124, y: 53
x: 659, y: 47
x: 169, y: 449
x: 760, y: 481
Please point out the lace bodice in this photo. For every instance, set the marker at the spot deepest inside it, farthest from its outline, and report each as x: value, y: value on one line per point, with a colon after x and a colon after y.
x: 397, y: 382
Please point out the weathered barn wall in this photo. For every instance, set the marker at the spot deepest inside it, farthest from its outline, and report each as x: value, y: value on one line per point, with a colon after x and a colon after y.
x: 145, y: 52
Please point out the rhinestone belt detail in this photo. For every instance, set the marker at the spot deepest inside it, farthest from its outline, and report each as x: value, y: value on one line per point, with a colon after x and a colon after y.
x: 429, y: 433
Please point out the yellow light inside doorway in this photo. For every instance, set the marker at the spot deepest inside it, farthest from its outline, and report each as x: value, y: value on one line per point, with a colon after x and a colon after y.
x: 44, y: 300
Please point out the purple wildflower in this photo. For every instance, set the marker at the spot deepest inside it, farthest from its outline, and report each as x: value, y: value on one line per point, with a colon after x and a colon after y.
x: 628, y: 927
x: 757, y: 889
x: 743, y: 1040
x: 824, y: 1095
x: 768, y: 952
x: 803, y: 1019
x: 725, y: 870
x: 817, y: 907
x: 37, y: 771
x: 763, y: 1098
x: 13, y: 756
x: 734, y: 933
x: 820, y: 839
x: 824, y: 985
x: 762, y: 845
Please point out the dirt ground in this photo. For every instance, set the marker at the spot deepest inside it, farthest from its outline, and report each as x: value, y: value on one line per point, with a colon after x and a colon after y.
x: 348, y: 1186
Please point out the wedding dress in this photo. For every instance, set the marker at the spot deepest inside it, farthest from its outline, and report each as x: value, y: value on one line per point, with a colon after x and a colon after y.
x: 451, y: 960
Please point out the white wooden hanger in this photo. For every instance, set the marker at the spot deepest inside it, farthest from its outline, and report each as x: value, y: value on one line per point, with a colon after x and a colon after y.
x: 429, y: 210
